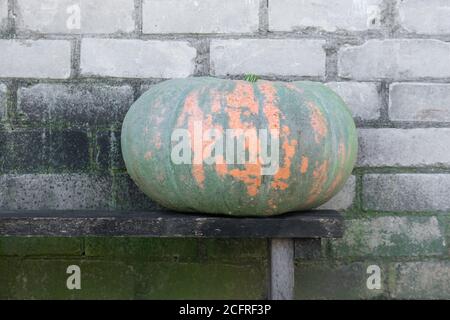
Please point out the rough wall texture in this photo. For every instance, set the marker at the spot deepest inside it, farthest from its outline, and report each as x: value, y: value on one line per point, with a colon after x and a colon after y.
x: 70, y: 69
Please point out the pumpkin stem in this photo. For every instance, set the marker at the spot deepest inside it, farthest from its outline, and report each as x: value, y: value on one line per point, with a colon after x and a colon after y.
x: 251, y: 77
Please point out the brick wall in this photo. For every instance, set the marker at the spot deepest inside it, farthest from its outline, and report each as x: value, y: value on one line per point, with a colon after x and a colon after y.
x: 66, y: 81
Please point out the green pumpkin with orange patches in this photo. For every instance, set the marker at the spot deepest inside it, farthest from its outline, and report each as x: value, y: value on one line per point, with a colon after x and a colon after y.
x: 316, y: 134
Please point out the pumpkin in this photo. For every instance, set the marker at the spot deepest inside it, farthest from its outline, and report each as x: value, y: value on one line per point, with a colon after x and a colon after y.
x: 236, y: 147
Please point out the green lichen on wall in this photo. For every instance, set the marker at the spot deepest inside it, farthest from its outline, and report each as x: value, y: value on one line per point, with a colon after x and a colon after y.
x: 133, y: 268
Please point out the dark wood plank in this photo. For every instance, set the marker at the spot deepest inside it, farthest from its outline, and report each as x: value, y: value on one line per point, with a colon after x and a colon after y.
x: 312, y: 224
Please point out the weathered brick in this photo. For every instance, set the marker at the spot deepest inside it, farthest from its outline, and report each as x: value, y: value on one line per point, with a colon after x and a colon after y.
x: 155, y: 249
x: 362, y: 98
x: 395, y: 59
x: 3, y: 15
x: 329, y: 15
x: 40, y: 246
x: 54, y: 191
x: 444, y: 221
x: 68, y: 149
x: 2, y: 101
x: 129, y: 197
x: 180, y: 250
x: 38, y: 149
x: 9, y: 271
x: 202, y: 280
x: 419, y: 102
x: 422, y: 280
x: 200, y: 16
x: 116, y: 151
x: 390, y: 236
x: 122, y: 279
x: 335, y: 280
x: 75, y: 104
x: 137, y: 58
x: 35, y: 59
x: 22, y: 150
x: 427, y: 17
x: 268, y: 57
x: 67, y: 16
x: 108, y: 153
x: 403, y: 147
x: 234, y: 249
x: 344, y: 199
x: 102, y: 153
x: 47, y: 278
x: 406, y: 192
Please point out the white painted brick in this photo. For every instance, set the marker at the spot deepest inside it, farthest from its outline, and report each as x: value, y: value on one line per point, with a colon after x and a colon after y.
x: 344, y: 199
x: 395, y: 59
x: 419, y: 102
x: 404, y: 147
x: 406, y: 192
x: 268, y: 57
x: 329, y: 15
x: 426, y: 17
x: 200, y: 16
x: 79, y: 16
x: 3, y: 14
x: 362, y: 98
x: 54, y: 191
x: 137, y: 58
x: 35, y: 59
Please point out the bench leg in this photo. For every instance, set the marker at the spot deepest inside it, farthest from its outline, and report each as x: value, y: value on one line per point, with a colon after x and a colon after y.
x: 281, y: 269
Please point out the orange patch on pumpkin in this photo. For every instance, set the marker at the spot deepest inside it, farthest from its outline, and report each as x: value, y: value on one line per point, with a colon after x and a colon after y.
x: 280, y: 185
x: 240, y: 102
x: 284, y: 172
x: 193, y: 113
x: 221, y: 166
x: 318, y: 122
x: 320, y: 178
x: 251, y: 176
x: 243, y: 96
x: 215, y: 104
x: 270, y: 109
x: 273, y: 116
x: 199, y: 174
x: 304, y: 165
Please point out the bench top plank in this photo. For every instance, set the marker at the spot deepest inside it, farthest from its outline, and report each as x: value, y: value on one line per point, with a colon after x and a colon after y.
x: 311, y: 224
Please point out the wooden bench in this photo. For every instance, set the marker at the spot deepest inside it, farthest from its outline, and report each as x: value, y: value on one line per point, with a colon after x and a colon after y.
x: 290, y: 235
